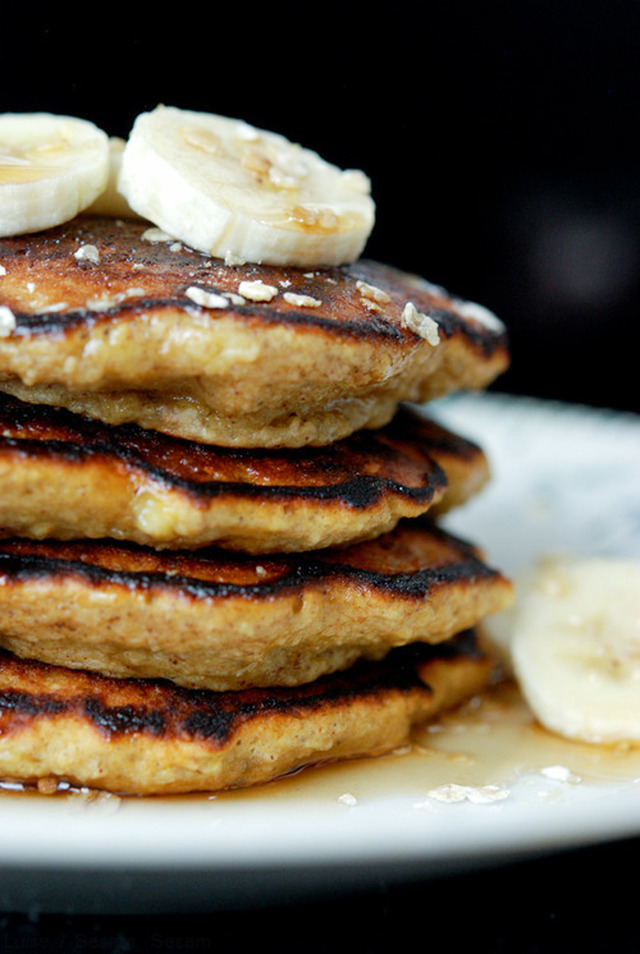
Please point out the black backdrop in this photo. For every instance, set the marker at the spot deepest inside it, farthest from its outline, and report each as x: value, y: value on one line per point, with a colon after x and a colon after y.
x: 501, y: 139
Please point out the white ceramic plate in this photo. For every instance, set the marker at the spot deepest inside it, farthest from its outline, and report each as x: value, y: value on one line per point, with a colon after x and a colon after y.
x: 564, y: 479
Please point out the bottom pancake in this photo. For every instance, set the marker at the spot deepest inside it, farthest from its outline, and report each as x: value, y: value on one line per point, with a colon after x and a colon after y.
x: 150, y: 737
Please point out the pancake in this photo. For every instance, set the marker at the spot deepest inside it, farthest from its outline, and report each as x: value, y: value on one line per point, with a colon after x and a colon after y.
x: 151, y: 737
x: 212, y: 619
x: 155, y: 333
x: 67, y: 476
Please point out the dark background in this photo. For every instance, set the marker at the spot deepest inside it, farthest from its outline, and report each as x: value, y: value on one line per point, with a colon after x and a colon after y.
x: 501, y: 139
x: 502, y: 142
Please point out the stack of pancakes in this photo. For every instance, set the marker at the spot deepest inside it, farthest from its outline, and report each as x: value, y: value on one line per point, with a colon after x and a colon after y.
x: 220, y: 560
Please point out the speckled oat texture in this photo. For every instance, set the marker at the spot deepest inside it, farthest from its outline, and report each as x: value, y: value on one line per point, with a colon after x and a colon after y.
x: 142, y: 329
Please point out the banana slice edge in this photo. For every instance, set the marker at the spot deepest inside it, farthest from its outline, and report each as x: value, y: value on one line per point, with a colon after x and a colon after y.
x: 52, y: 167
x: 572, y: 641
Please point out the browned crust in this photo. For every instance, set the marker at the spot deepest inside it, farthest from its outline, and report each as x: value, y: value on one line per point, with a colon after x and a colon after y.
x: 149, y: 737
x: 153, y: 276
x: 66, y: 476
x: 213, y: 619
x: 250, y: 374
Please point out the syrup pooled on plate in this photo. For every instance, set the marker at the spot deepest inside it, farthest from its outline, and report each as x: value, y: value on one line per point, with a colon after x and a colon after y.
x: 479, y: 751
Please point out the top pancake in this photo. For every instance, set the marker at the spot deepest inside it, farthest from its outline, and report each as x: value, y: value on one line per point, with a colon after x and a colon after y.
x: 123, y: 328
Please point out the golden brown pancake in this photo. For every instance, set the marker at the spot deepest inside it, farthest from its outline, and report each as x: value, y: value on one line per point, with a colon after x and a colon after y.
x: 66, y: 476
x: 213, y: 619
x: 152, y: 332
x: 151, y: 737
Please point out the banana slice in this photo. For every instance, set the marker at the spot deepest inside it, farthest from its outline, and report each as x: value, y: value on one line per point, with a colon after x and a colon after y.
x: 576, y: 649
x: 243, y: 194
x: 51, y: 168
x: 110, y: 202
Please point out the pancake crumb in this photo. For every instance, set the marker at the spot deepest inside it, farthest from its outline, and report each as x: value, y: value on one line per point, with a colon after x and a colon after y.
x: 560, y: 773
x: 372, y: 293
x: 205, y: 298
x: 423, y: 325
x: 348, y: 799
x: 156, y: 235
x: 7, y: 321
x: 301, y: 301
x: 257, y: 291
x: 88, y: 253
x: 477, y: 794
x: 47, y: 786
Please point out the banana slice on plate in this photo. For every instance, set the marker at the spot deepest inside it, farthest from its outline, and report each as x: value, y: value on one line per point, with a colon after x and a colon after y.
x: 243, y: 194
x: 51, y: 168
x: 576, y: 648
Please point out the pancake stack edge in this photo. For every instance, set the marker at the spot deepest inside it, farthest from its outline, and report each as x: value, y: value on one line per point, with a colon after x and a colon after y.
x: 179, y: 613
